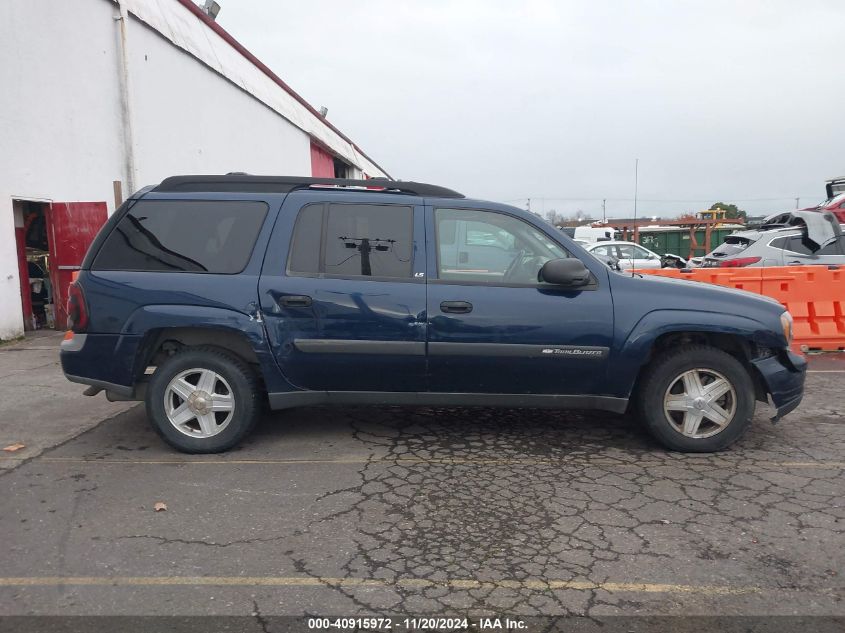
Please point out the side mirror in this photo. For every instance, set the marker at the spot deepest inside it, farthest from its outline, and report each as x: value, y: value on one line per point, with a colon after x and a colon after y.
x: 565, y: 272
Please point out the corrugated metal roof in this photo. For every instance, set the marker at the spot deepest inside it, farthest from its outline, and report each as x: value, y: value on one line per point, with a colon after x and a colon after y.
x: 187, y: 27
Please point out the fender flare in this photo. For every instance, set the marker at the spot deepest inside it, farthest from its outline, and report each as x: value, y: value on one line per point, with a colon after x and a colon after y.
x: 635, y: 348
x: 153, y: 317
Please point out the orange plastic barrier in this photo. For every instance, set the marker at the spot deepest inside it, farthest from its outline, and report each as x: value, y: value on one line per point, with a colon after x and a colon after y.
x: 814, y: 295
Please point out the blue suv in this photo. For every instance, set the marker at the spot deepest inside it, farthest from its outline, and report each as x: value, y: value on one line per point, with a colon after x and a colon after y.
x: 209, y: 297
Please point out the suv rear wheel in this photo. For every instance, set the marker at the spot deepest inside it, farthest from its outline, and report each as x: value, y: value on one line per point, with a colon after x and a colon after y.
x: 696, y: 399
x: 202, y: 400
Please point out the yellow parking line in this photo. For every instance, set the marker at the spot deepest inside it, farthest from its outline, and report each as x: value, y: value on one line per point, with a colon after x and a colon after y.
x: 307, y: 581
x: 434, y: 461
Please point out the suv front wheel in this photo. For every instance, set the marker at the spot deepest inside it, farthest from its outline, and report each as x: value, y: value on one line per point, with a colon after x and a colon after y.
x: 202, y: 400
x: 696, y: 399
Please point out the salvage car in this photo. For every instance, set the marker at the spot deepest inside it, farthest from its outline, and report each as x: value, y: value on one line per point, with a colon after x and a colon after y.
x: 785, y: 240
x: 213, y: 297
x: 630, y: 255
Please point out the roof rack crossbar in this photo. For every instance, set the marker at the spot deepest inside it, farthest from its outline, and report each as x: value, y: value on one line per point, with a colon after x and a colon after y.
x: 234, y: 182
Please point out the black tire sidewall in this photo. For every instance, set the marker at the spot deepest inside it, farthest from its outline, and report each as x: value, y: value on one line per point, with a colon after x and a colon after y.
x: 667, y: 369
x: 243, y: 388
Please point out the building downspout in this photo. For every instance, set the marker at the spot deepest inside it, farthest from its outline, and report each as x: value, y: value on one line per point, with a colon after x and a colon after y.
x: 122, y: 20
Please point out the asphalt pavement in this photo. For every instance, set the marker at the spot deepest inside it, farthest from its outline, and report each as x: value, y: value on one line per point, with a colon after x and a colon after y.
x: 353, y: 511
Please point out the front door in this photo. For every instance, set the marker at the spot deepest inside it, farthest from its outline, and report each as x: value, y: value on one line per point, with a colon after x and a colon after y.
x: 493, y: 328
x: 345, y: 306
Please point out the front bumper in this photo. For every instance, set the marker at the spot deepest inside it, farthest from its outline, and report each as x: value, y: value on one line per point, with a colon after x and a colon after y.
x: 783, y: 376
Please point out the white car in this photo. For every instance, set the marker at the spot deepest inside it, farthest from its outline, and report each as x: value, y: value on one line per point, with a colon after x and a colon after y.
x: 631, y: 255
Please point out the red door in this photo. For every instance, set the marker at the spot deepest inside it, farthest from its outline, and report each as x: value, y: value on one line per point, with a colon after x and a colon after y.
x: 322, y: 163
x: 71, y: 227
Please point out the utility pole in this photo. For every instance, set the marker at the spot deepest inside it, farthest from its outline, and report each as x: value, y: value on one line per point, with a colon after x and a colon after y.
x: 529, y: 204
x: 797, y: 201
x: 604, y: 210
x: 636, y: 185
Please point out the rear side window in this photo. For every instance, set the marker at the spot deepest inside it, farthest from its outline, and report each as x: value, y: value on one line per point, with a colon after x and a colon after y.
x: 796, y: 244
x: 307, y: 235
x: 184, y: 236
x: 353, y: 240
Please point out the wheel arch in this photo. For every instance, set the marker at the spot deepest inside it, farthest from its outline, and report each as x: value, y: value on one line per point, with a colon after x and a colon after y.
x: 165, y: 329
x: 742, y: 337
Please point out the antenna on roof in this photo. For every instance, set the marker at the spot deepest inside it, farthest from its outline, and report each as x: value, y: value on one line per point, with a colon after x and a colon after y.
x: 636, y: 187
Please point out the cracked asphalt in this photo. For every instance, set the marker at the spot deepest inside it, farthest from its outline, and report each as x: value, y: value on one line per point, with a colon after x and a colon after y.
x: 434, y: 511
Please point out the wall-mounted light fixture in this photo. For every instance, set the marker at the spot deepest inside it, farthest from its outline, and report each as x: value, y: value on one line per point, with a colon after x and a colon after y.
x: 211, y: 9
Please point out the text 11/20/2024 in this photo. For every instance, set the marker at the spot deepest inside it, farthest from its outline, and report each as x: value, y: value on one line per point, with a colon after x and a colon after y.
x: 421, y: 623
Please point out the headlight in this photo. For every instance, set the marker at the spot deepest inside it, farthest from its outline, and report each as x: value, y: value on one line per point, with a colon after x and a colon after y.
x: 786, y: 324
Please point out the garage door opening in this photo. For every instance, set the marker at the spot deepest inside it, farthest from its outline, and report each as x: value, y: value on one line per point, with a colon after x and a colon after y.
x: 326, y: 165
x: 51, y: 239
x: 33, y: 248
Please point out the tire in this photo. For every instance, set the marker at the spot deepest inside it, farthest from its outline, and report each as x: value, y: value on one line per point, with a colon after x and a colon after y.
x: 671, y: 399
x: 179, y: 407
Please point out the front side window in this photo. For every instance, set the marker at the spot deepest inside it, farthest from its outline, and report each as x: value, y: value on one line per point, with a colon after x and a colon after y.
x: 353, y: 240
x: 485, y: 246
x: 640, y: 253
x: 625, y: 252
x: 206, y: 236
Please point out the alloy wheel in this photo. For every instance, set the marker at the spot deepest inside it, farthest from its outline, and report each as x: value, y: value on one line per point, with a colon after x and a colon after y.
x: 700, y: 403
x: 199, y: 403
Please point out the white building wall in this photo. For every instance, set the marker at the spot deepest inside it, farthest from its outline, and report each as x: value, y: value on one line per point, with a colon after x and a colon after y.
x: 61, y: 134
x: 187, y: 119
x: 59, y: 117
x: 180, y: 26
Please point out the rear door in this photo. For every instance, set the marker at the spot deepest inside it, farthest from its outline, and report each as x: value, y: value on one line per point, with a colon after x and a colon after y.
x: 71, y: 227
x: 343, y: 292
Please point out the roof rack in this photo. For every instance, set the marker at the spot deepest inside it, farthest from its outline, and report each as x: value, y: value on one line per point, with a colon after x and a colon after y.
x: 284, y: 184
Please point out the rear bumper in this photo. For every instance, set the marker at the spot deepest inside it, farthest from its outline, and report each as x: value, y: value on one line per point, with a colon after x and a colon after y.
x: 121, y: 390
x: 100, y: 360
x: 783, y: 376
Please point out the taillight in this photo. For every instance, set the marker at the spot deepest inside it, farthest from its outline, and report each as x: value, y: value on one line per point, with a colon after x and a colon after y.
x: 77, y: 310
x: 738, y: 262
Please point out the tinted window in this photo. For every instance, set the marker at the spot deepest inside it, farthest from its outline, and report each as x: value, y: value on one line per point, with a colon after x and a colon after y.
x: 796, y: 244
x: 485, y: 246
x: 369, y: 240
x: 834, y: 248
x: 353, y: 240
x: 183, y: 235
x: 305, y: 246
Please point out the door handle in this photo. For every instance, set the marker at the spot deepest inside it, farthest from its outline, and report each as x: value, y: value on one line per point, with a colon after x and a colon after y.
x: 793, y: 263
x: 295, y: 301
x: 456, y: 307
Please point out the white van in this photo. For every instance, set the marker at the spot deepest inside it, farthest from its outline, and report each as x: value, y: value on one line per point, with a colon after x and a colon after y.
x: 594, y: 234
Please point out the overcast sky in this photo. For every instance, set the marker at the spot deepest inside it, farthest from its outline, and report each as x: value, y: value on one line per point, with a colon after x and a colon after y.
x: 738, y: 101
